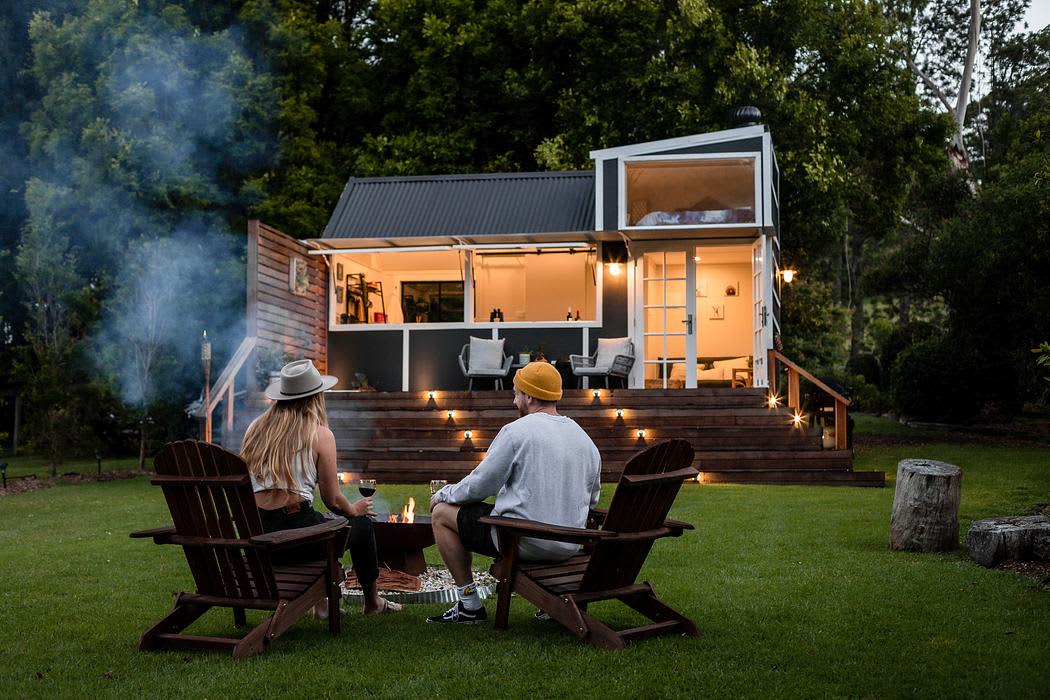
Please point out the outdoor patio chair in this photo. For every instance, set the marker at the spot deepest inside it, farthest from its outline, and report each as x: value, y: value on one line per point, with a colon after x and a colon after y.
x: 614, y: 357
x: 209, y: 495
x: 495, y: 367
x: 612, y: 557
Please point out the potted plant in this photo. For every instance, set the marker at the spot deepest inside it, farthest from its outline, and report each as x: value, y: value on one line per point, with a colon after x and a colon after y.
x: 524, y: 355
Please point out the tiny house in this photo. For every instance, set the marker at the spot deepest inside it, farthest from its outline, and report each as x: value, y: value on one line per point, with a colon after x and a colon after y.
x: 673, y: 244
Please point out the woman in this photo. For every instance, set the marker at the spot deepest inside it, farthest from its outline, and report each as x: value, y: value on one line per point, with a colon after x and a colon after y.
x: 290, y: 450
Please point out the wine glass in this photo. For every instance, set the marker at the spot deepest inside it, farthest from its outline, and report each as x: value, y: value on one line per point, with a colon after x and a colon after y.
x: 366, y: 487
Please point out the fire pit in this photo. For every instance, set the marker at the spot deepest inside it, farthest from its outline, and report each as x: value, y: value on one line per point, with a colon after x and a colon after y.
x: 401, y: 544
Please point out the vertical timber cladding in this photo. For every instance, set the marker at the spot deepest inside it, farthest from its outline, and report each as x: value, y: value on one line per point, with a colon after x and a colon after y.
x: 296, y: 322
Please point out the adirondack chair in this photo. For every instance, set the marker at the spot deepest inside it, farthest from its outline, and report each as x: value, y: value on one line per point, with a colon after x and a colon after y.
x: 609, y: 564
x: 209, y: 494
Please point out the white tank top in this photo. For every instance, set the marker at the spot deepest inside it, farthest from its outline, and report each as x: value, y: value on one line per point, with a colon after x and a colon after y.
x: 304, y: 477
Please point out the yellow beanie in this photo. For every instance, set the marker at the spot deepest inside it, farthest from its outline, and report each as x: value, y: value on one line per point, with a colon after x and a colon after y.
x: 539, y: 380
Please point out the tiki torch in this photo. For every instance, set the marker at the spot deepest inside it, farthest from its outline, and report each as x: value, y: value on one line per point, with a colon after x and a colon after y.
x: 206, y: 361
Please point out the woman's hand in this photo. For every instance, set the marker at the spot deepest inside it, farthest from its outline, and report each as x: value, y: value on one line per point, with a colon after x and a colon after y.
x: 362, y: 507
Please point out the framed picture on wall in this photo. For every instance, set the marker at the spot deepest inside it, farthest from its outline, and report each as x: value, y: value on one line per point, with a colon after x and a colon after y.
x: 339, y: 271
x: 701, y: 288
x: 298, y: 277
x: 718, y: 312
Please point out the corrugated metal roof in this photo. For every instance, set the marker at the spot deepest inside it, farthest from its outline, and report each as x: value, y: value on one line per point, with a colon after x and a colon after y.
x: 464, y: 205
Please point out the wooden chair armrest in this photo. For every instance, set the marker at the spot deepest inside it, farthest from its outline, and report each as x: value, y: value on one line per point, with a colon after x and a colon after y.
x: 545, y: 531
x: 300, y: 535
x: 676, y: 475
x: 160, y: 535
x: 597, y: 516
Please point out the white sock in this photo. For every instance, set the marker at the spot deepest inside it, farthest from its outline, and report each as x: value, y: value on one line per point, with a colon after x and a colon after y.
x: 468, y: 595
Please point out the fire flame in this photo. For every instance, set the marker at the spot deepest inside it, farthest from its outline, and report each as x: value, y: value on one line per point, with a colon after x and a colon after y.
x: 408, y: 513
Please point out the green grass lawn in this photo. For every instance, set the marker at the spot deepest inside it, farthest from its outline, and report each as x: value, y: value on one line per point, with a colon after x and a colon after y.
x: 25, y: 465
x: 795, y: 590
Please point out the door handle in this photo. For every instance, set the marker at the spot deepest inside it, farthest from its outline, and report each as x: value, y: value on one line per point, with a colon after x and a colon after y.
x: 688, y: 324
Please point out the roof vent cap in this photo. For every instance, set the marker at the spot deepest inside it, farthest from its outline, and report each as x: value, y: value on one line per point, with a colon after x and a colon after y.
x: 744, y: 116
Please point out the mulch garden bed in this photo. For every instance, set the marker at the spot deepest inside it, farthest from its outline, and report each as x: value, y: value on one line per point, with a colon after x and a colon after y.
x: 25, y: 485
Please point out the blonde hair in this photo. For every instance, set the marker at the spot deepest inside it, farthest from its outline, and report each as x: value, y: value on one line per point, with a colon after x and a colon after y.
x: 284, y: 430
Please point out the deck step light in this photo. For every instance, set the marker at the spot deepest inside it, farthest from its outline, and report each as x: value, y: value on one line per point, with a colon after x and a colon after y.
x: 431, y: 395
x: 641, y: 433
x: 451, y: 414
x: 797, y: 420
x: 619, y: 413
x: 467, y: 434
x: 773, y: 400
x: 597, y: 394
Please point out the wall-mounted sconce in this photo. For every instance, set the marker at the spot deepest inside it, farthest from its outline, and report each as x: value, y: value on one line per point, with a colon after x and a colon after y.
x: 619, y: 413
x: 787, y: 275
x: 597, y: 394
x: 431, y: 395
x: 641, y: 433
x: 468, y: 434
x: 615, y: 269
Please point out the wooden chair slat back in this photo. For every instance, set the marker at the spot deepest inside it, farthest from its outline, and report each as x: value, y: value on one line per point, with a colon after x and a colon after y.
x: 210, y: 508
x: 635, y: 508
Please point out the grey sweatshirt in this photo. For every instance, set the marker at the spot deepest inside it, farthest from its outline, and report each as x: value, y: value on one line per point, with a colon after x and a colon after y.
x: 540, y: 467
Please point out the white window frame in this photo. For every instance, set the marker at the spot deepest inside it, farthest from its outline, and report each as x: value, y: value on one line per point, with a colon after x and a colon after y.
x: 621, y: 204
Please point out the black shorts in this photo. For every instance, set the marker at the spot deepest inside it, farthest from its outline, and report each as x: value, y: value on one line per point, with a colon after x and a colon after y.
x: 476, y: 536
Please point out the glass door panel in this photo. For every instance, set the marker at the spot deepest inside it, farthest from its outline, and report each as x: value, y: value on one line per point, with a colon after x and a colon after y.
x: 667, y: 319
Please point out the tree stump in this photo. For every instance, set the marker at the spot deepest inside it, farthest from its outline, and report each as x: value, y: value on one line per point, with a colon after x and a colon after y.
x: 1020, y: 538
x: 926, y: 506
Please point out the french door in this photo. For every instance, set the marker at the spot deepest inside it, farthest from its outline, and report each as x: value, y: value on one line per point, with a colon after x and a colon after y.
x: 663, y: 315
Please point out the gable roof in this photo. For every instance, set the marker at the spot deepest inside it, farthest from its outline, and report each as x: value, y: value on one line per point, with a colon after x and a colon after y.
x: 464, y: 205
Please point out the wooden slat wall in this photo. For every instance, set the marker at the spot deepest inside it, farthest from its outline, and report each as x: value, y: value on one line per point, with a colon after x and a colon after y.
x: 278, y: 318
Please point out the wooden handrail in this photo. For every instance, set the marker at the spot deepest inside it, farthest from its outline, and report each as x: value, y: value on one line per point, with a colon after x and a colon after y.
x: 794, y: 372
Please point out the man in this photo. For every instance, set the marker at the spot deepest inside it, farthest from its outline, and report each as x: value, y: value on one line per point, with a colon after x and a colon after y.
x: 543, y: 467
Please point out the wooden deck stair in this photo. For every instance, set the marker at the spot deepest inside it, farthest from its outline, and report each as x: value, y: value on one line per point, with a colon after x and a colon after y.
x: 406, y: 437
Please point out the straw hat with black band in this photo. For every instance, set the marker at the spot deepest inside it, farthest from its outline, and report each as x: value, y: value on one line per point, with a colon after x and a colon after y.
x: 298, y: 380
x: 539, y: 380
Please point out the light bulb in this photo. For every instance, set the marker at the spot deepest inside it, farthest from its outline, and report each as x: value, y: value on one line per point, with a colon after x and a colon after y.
x: 614, y: 269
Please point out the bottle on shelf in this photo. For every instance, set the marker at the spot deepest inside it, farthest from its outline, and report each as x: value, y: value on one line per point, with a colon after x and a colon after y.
x: 577, y: 314
x: 492, y: 316
x: 568, y: 314
x: 499, y: 314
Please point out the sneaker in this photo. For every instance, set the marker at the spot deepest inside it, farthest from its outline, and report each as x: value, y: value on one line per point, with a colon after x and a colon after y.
x: 459, y: 615
x: 540, y: 615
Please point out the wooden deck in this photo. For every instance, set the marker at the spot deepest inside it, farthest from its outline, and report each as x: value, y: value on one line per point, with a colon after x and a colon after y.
x: 405, y: 437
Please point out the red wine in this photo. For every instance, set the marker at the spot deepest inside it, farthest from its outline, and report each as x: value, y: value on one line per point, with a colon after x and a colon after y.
x: 366, y: 492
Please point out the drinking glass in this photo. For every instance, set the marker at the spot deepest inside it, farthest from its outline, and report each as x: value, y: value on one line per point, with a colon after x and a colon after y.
x: 367, y: 487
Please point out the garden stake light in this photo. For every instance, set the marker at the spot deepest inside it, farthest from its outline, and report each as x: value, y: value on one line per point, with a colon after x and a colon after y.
x: 3, y: 470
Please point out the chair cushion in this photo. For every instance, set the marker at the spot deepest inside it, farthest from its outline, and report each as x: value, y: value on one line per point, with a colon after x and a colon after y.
x: 485, y: 354
x: 713, y: 374
x: 733, y: 363
x: 608, y: 349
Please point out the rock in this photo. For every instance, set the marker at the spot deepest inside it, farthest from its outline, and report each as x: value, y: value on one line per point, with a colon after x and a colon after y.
x: 1019, y: 537
x: 925, y: 514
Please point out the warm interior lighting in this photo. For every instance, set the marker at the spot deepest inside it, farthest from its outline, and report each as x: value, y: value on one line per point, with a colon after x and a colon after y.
x: 641, y: 433
x: 614, y: 269
x: 468, y: 434
x: 773, y: 400
x: 797, y: 419
x: 619, y: 413
x: 431, y: 395
x: 696, y: 258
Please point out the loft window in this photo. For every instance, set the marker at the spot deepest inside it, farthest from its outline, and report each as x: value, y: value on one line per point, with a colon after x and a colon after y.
x: 690, y: 192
